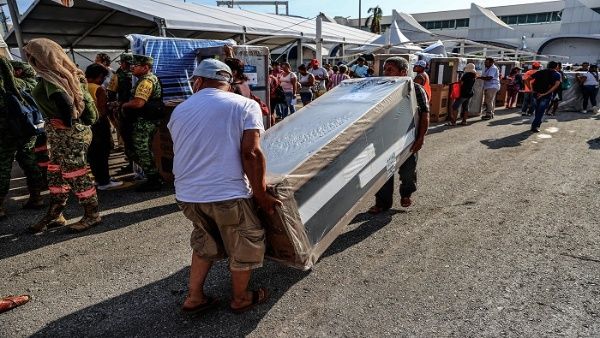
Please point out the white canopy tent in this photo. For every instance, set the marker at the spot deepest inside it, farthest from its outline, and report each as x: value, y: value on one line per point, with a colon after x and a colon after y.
x: 104, y: 23
x: 392, y: 41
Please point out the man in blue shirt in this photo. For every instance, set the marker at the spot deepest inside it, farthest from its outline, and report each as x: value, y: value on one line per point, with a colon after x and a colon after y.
x: 491, y: 86
x: 360, y: 69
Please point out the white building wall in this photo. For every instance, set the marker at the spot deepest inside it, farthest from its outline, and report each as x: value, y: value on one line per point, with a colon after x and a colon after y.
x: 579, y: 19
x: 579, y: 50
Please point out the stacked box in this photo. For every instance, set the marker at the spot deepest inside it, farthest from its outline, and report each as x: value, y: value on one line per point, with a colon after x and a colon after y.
x: 162, y: 144
x: 502, y: 93
x: 440, y: 100
x: 326, y: 160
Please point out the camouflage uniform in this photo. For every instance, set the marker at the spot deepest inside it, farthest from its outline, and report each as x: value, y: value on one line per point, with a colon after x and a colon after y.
x: 68, y: 169
x: 11, y: 146
x: 144, y: 129
x: 28, y: 75
x: 28, y: 81
x: 23, y: 149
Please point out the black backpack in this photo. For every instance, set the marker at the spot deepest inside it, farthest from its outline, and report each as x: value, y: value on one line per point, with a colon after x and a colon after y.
x: 24, y: 117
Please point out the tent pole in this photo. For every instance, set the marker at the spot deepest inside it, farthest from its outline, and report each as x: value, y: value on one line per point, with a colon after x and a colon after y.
x: 319, y: 40
x: 299, y: 53
x: 72, y: 54
x: 14, y: 15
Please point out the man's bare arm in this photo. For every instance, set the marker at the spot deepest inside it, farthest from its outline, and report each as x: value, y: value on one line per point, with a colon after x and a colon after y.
x: 254, y: 164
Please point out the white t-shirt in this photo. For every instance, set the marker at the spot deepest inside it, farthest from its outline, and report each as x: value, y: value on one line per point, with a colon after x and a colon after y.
x: 207, y: 132
x: 322, y: 72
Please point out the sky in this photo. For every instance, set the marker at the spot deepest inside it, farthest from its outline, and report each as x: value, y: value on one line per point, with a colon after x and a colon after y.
x: 310, y: 8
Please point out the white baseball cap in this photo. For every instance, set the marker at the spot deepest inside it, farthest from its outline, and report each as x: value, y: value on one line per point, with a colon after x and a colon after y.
x: 421, y: 63
x: 213, y: 69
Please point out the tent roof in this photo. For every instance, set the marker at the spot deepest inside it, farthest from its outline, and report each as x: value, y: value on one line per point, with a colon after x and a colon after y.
x: 104, y: 23
x: 392, y: 36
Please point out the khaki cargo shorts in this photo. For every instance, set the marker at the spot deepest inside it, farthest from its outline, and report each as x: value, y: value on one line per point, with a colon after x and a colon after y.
x: 227, y: 229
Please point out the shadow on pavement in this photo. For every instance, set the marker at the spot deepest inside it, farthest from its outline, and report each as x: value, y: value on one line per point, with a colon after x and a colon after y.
x: 508, y: 141
x: 153, y: 310
x: 14, y: 239
x: 362, y: 232
x: 594, y: 143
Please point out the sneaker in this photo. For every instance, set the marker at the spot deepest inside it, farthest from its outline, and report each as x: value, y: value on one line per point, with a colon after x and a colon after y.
x: 584, y: 111
x: 110, y: 185
x: 535, y: 130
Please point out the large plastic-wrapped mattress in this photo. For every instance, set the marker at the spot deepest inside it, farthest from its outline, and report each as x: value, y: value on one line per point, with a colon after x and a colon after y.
x: 573, y: 97
x: 329, y: 157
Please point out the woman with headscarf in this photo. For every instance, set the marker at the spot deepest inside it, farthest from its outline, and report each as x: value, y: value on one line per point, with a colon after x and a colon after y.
x: 12, y: 144
x: 63, y: 98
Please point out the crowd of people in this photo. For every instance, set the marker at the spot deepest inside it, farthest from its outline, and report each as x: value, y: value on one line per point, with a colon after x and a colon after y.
x: 217, y: 188
x: 542, y: 90
x: 69, y: 152
x: 309, y: 83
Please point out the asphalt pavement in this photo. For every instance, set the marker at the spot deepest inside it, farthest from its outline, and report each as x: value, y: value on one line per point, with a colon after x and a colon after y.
x: 503, y: 239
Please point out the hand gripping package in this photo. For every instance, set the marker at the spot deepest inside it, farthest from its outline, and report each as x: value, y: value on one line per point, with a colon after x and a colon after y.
x: 327, y: 159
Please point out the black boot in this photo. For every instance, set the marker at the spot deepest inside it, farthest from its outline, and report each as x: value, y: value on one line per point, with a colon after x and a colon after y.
x: 153, y: 183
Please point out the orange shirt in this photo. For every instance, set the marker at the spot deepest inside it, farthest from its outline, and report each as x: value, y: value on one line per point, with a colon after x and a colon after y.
x: 525, y: 77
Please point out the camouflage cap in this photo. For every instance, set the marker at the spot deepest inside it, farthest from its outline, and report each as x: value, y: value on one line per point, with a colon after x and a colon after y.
x: 17, y: 64
x: 126, y: 57
x: 142, y: 60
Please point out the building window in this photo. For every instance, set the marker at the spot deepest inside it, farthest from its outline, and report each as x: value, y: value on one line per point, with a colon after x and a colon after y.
x: 445, y: 24
x: 533, y: 18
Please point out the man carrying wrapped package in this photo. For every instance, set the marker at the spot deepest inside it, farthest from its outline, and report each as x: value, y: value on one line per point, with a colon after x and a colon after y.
x: 397, y: 66
x: 219, y: 172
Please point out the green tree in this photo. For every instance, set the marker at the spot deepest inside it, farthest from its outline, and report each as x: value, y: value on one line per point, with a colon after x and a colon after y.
x: 374, y: 19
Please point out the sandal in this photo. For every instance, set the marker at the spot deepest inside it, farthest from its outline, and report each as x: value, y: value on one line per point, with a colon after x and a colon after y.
x: 405, y: 202
x: 11, y: 302
x: 374, y: 210
x: 210, y: 303
x: 450, y: 124
x: 464, y: 123
x: 256, y: 299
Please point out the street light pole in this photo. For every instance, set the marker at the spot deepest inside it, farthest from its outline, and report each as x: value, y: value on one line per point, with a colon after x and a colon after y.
x: 359, y: 11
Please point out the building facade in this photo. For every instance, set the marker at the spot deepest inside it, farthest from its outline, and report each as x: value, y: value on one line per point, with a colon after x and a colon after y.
x: 569, y: 28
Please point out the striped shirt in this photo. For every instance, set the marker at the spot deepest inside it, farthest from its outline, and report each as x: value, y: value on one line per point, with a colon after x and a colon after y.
x: 336, y: 79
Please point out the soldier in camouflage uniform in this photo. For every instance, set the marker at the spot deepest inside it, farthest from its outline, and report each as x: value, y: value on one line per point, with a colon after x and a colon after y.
x: 11, y: 145
x: 119, y: 92
x: 25, y: 76
x: 62, y: 96
x: 146, y: 107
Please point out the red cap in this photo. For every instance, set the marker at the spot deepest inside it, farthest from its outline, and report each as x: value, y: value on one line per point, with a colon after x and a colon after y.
x: 536, y: 64
x: 314, y: 62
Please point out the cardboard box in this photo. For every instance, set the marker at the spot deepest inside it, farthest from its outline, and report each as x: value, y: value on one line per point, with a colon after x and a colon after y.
x: 326, y: 160
x: 162, y: 144
x: 439, y: 103
x: 501, y: 94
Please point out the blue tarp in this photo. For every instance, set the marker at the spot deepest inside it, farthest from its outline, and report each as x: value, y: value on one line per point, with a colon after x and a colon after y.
x: 174, y: 60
